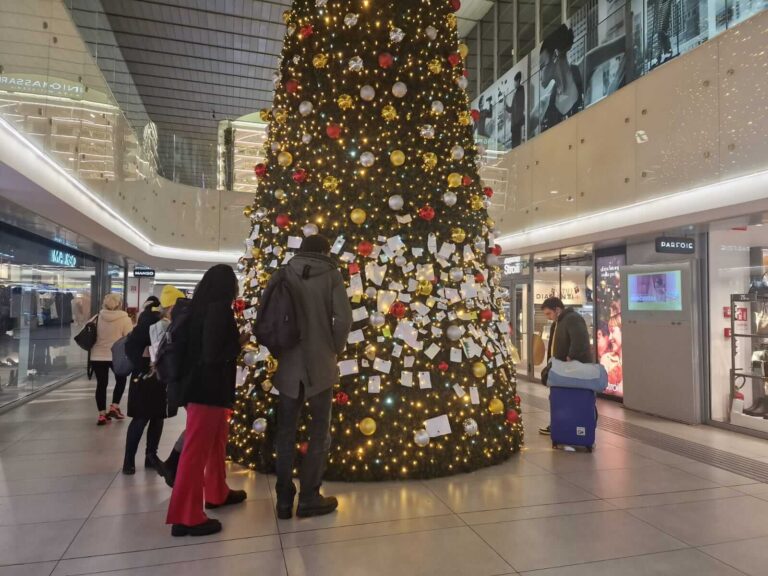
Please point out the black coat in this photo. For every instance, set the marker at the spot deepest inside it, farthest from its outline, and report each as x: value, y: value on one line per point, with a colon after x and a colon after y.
x: 146, y: 396
x: 212, y: 357
x: 569, y: 337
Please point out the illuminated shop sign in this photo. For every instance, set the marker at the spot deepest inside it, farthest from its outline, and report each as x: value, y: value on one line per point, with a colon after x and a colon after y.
x: 667, y: 245
x: 61, y: 258
x: 33, y: 84
x: 143, y: 272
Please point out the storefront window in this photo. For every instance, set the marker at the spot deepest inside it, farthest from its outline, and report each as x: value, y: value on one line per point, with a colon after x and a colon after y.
x: 568, y: 275
x: 45, y: 298
x: 738, y: 295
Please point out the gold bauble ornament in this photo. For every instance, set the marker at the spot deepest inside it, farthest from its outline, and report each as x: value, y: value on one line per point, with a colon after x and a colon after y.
x: 271, y: 364
x: 425, y: 287
x: 263, y: 279
x: 430, y: 161
x: 454, y: 180
x: 389, y: 113
x: 247, y: 211
x: 463, y: 50
x: 435, y: 66
x: 256, y: 252
x: 490, y: 222
x: 479, y: 370
x: 266, y: 385
x: 281, y: 116
x: 496, y: 406
x: 345, y: 102
x: 330, y: 183
x: 458, y: 235
x: 477, y: 202
x: 320, y: 60
x: 367, y: 426
x: 465, y: 118
x: 452, y: 20
x: 265, y: 114
x: 285, y: 159
x: 397, y: 157
x: 358, y: 216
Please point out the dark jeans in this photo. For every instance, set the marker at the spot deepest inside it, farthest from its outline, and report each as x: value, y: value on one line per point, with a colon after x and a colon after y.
x: 135, y: 432
x: 313, y: 466
x: 101, y: 370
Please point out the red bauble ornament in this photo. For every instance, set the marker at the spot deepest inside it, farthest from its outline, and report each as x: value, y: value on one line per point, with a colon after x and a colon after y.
x: 291, y: 86
x: 455, y: 5
x: 518, y: 400
x: 283, y: 220
x: 306, y: 31
x: 466, y: 180
x: 512, y: 416
x: 465, y: 73
x: 397, y: 309
x: 489, y: 353
x: 364, y: 248
x: 304, y: 448
x: 426, y: 213
x: 475, y: 114
x: 488, y: 191
x: 260, y: 170
x: 386, y: 60
x: 454, y: 59
x: 342, y: 398
x: 333, y: 131
x: 239, y: 305
x: 486, y: 315
x: 496, y: 250
x: 443, y: 366
x: 354, y: 269
x: 479, y: 278
x: 299, y: 176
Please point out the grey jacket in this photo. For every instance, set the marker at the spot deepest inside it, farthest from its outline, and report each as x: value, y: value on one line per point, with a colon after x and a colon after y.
x: 570, y: 338
x: 325, y: 317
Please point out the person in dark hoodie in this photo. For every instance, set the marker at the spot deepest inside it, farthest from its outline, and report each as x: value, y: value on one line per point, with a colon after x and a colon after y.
x: 307, y: 373
x: 213, y: 347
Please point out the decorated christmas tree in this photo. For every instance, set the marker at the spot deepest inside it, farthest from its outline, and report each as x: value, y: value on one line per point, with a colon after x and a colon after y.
x: 370, y: 144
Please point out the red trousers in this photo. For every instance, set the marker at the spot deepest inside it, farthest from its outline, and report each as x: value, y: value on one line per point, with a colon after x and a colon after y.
x: 201, y: 476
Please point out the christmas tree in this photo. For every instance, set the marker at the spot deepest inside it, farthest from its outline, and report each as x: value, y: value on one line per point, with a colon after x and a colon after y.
x: 370, y: 144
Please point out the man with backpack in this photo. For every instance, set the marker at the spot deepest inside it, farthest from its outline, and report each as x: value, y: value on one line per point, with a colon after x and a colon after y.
x: 304, y: 319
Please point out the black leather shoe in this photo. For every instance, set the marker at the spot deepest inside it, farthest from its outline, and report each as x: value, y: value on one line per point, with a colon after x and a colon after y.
x: 129, y: 469
x: 153, y: 462
x: 210, y: 526
x: 545, y: 431
x: 317, y: 505
x: 234, y: 497
x: 285, y: 501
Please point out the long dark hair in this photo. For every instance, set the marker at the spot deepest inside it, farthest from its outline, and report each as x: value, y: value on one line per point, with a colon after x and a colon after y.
x: 219, y: 284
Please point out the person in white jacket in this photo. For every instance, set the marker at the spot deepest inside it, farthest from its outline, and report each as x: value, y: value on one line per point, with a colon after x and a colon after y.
x: 112, y: 324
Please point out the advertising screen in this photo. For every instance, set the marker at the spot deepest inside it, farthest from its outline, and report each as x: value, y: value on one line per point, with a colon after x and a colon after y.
x: 655, y: 292
x: 608, y: 341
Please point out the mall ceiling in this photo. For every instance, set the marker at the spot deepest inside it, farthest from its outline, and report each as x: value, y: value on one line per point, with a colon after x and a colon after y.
x: 194, y: 63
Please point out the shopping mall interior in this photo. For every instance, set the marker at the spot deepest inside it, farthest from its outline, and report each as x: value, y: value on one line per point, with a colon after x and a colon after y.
x: 527, y: 331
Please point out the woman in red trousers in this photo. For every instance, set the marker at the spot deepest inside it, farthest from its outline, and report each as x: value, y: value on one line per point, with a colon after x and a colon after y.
x: 213, y: 347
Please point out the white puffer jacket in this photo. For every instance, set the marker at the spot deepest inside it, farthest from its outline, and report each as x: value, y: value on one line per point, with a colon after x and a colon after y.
x: 112, y: 325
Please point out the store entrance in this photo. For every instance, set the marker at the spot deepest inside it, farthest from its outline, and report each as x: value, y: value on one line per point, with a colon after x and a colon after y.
x: 519, y: 313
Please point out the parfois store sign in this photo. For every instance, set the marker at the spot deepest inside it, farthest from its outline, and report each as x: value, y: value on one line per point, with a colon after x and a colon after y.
x: 669, y: 245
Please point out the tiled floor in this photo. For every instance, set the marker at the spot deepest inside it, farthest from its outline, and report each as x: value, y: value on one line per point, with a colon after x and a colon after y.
x: 627, y: 509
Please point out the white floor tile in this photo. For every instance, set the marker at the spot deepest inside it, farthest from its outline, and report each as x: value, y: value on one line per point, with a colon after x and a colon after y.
x: 39, y: 508
x: 673, y: 498
x: 529, y: 512
x: 39, y: 569
x: 95, y: 482
x: 36, y: 542
x: 749, y: 556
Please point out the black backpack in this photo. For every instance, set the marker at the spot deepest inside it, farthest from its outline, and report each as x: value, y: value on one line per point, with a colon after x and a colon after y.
x: 171, y: 363
x: 277, y: 319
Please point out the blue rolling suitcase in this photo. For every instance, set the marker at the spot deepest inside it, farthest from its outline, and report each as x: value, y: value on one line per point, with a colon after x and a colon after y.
x: 574, y: 417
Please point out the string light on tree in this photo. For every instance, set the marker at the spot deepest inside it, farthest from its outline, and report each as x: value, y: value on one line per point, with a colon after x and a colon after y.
x: 370, y: 143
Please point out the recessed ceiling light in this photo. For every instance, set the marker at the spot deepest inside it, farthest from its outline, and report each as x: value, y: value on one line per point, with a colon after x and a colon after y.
x: 554, y: 192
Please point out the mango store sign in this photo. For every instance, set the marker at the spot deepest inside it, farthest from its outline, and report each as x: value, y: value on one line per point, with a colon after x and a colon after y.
x: 35, y: 84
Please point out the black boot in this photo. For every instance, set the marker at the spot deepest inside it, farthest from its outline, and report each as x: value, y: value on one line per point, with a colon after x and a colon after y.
x: 234, y: 497
x: 210, y: 526
x: 129, y: 468
x: 153, y: 462
x: 169, y: 468
x: 759, y: 408
x: 315, y: 504
x: 285, y: 497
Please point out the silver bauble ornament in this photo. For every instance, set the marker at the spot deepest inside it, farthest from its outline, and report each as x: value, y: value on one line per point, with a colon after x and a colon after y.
x: 431, y: 32
x: 275, y: 146
x: 310, y: 229
x: 450, y: 198
x: 462, y: 82
x: 457, y: 152
x: 367, y: 159
x: 456, y: 275
x: 356, y: 64
x: 399, y: 89
x: 453, y: 332
x: 260, y: 213
x: 367, y: 93
x: 371, y: 292
x: 250, y: 358
x: 351, y: 19
x: 396, y: 202
x: 306, y: 138
x: 401, y: 261
x: 470, y: 427
x: 260, y: 425
x: 377, y: 319
x: 321, y: 3
x: 427, y: 131
x: 421, y: 438
x: 305, y: 108
x: 437, y: 107
x: 396, y: 35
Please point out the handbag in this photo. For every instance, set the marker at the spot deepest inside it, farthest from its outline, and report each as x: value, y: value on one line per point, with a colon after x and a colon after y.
x: 121, y: 363
x: 86, y: 338
x: 761, y: 321
x: 539, y: 350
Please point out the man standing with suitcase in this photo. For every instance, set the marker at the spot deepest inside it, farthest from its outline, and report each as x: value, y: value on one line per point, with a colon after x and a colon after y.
x: 568, y: 337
